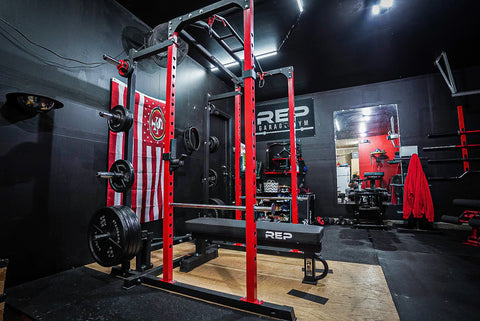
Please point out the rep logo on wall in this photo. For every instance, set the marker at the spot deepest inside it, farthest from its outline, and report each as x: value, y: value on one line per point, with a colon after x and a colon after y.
x: 272, y: 120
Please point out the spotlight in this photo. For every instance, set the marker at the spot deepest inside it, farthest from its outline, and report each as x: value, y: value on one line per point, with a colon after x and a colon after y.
x: 386, y: 3
x: 375, y: 9
x: 300, y: 5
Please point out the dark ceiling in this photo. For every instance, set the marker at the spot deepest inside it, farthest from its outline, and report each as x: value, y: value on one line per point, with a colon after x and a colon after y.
x: 339, y: 43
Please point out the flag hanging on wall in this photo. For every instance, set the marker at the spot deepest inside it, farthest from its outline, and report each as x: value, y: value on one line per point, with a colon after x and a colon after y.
x: 148, y: 146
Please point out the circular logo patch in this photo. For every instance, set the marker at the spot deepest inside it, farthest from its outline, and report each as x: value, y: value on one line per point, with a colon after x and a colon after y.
x: 157, y: 124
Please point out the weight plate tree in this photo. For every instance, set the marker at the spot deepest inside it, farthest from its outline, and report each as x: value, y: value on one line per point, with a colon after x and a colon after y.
x: 114, y: 235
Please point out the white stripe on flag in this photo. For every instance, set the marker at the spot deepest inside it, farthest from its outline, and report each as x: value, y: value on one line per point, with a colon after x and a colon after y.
x: 162, y: 183
x: 139, y: 139
x: 158, y: 154
x: 148, y: 190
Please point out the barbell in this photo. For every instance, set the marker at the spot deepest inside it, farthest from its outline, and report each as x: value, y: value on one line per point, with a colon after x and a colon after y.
x: 121, y: 175
x: 225, y: 207
x: 119, y: 119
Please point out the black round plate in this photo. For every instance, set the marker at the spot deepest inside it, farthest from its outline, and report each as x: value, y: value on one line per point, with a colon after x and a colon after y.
x: 124, y: 123
x: 124, y: 182
x: 123, y: 235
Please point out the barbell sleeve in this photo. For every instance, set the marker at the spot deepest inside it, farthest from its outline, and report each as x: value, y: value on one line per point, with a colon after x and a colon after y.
x: 109, y: 116
x: 109, y: 174
x: 101, y: 236
x: 111, y: 60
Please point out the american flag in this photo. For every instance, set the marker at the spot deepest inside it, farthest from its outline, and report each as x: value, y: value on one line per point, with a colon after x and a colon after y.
x: 148, y: 146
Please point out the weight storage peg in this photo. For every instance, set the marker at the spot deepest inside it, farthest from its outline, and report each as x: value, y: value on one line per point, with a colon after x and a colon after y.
x: 119, y: 119
x: 121, y: 175
x: 124, y: 67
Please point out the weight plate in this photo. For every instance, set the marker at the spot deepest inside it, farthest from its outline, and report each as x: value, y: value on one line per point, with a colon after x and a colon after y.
x: 214, y: 212
x: 134, y: 233
x: 213, y: 144
x: 191, y: 139
x: 124, y: 182
x: 123, y: 122
x: 212, y: 178
x: 114, y: 235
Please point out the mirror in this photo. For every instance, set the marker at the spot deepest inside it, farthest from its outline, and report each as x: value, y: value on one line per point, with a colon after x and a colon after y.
x: 367, y: 142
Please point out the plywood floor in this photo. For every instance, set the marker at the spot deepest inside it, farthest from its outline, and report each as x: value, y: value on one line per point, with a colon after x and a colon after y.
x: 354, y: 291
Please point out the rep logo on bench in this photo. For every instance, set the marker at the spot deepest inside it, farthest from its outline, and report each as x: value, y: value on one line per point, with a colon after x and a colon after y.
x: 278, y: 235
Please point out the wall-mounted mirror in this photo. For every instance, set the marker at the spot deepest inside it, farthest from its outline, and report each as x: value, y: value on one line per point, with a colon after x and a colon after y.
x: 367, y: 142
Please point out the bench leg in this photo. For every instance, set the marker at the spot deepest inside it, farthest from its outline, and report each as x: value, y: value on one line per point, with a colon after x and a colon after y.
x: 309, y: 258
x: 203, y: 254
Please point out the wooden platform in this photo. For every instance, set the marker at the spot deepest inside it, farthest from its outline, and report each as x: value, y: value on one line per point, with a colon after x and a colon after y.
x: 352, y: 292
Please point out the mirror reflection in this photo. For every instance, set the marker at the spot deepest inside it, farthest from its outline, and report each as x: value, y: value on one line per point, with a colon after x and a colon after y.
x: 367, y: 142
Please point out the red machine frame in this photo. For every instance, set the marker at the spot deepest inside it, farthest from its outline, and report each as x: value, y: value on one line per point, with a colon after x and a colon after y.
x: 250, y: 302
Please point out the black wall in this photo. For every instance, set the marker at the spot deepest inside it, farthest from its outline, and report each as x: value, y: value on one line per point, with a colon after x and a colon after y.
x: 424, y: 106
x: 48, y: 188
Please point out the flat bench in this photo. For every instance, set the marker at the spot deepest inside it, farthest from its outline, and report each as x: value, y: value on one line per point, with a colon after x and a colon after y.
x: 306, y: 238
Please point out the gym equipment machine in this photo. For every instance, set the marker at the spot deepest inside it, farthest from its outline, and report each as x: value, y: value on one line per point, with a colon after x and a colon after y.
x: 247, y: 80
x: 369, y: 203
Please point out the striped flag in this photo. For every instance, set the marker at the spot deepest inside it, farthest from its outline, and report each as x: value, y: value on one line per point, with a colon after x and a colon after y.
x: 148, y: 147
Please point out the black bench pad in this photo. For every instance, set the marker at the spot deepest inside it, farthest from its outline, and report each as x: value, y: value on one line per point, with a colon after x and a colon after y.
x: 284, y: 235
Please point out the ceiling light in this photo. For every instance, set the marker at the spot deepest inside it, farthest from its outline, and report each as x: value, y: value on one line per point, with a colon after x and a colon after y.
x: 362, y: 127
x: 234, y: 63
x: 230, y: 64
x: 386, y: 3
x: 365, y: 118
x: 337, y: 125
x: 267, y: 54
x: 375, y: 10
x: 300, y: 5
x: 367, y: 111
